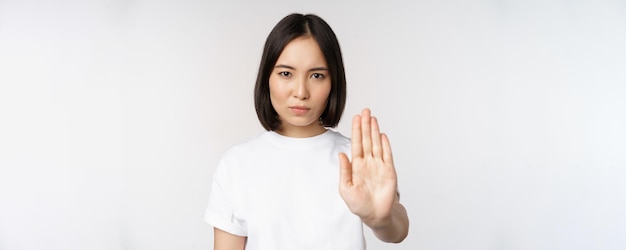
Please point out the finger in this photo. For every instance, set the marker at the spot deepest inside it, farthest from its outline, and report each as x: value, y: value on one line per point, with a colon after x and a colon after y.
x: 377, y: 148
x: 357, y: 145
x: 366, y: 132
x: 387, y: 155
x: 345, y: 171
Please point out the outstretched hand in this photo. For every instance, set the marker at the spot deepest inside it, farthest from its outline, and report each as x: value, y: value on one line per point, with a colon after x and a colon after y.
x: 368, y: 183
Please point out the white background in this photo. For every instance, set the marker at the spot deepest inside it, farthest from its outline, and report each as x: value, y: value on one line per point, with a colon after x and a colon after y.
x: 507, y: 118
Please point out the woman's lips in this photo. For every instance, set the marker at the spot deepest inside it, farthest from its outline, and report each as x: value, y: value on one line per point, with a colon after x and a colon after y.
x: 299, y: 110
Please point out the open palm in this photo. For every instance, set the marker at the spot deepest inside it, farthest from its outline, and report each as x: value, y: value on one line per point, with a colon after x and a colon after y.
x: 368, y: 183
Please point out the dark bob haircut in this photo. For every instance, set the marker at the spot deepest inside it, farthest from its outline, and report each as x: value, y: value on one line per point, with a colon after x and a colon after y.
x: 289, y: 28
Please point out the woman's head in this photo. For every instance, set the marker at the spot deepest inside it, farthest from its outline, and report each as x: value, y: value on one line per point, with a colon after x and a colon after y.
x: 297, y: 28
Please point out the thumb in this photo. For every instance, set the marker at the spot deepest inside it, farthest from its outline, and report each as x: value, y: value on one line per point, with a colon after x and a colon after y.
x: 345, y: 170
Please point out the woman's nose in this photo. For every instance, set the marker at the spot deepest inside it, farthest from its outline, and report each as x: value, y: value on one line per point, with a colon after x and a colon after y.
x: 301, y: 91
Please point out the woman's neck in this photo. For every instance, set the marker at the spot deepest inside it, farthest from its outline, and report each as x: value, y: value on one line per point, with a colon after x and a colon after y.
x: 301, y: 132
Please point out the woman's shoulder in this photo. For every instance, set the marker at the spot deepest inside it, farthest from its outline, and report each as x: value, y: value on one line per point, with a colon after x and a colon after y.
x: 266, y: 141
x: 242, y: 152
x: 338, y: 137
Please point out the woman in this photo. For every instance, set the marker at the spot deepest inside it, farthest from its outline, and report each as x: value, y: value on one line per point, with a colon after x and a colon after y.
x: 279, y: 189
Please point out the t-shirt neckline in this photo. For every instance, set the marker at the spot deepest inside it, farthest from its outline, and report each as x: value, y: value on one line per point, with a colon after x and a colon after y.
x: 300, y: 143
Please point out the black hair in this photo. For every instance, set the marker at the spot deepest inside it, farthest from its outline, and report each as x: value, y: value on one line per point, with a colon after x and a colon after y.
x: 289, y: 28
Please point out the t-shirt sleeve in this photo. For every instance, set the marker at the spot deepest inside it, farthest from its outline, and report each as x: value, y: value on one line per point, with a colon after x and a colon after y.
x: 220, y: 211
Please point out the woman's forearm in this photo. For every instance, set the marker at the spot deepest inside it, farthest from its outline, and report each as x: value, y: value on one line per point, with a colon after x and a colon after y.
x: 393, y: 229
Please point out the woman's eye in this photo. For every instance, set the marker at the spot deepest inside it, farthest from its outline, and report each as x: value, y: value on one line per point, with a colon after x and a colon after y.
x: 318, y: 76
x: 284, y: 74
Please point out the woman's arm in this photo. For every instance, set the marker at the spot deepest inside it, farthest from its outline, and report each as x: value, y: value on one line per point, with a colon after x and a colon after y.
x: 394, y: 228
x: 226, y: 241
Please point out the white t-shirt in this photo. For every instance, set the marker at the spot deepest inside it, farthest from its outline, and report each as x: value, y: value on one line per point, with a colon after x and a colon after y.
x: 283, y: 193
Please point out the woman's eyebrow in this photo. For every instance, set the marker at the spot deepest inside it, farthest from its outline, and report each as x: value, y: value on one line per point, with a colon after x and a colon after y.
x: 292, y: 68
x: 318, y: 69
x: 284, y: 66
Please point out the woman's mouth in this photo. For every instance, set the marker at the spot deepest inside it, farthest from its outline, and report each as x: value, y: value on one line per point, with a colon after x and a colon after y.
x: 299, y: 110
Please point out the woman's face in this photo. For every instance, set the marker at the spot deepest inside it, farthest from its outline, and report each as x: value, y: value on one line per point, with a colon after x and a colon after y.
x: 299, y: 87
